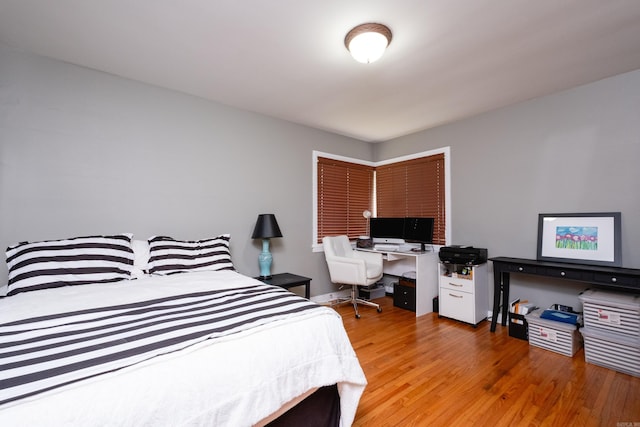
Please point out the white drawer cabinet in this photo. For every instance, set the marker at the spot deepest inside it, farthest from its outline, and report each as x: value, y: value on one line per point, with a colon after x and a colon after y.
x: 463, y: 292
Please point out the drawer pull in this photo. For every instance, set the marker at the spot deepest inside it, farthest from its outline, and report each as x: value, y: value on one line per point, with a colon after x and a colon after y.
x: 520, y: 269
x: 562, y: 273
x: 455, y: 284
x: 614, y: 280
x: 455, y: 296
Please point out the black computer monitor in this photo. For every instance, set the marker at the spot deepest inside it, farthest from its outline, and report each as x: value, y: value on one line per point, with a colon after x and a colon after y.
x: 386, y: 228
x: 418, y: 230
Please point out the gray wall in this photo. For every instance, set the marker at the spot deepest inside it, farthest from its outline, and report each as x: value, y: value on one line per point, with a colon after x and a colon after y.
x: 83, y: 152
x: 574, y: 151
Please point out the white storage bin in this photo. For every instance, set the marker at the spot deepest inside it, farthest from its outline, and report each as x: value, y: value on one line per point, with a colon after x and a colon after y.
x: 611, y: 311
x: 560, y: 337
x: 614, y: 351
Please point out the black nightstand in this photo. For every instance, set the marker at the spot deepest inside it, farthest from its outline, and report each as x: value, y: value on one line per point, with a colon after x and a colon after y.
x: 288, y: 280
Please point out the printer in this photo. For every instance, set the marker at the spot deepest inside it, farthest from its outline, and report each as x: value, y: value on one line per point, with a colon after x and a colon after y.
x: 458, y: 254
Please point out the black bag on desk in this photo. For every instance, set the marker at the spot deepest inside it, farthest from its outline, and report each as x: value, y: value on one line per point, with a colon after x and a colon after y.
x: 364, y: 243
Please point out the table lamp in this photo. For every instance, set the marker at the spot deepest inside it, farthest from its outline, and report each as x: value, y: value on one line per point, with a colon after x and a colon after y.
x: 266, y: 228
x: 365, y: 242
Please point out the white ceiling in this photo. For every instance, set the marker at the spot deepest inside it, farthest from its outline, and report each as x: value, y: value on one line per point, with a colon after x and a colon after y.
x: 448, y: 59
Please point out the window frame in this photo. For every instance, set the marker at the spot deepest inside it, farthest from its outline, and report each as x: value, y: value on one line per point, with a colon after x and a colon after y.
x: 317, y: 247
x: 446, y: 151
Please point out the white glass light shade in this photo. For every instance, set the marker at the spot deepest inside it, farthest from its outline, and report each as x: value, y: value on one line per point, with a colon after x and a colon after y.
x: 368, y: 47
x: 367, y: 42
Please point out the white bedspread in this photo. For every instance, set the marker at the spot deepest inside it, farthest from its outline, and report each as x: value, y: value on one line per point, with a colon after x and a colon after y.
x: 236, y: 380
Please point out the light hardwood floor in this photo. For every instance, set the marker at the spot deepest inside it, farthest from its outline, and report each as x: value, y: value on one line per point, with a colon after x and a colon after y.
x: 440, y: 372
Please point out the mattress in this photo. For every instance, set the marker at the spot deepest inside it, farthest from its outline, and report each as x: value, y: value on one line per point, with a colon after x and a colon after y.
x: 235, y: 379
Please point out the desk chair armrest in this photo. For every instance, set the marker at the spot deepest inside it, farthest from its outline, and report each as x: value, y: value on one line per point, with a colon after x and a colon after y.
x: 347, y: 271
x: 373, y: 261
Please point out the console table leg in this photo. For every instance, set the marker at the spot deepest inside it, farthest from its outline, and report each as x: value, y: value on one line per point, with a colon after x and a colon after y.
x: 505, y: 297
x: 500, y: 291
x: 497, y: 290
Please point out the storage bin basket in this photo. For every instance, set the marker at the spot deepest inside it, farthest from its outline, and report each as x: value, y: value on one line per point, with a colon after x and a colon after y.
x: 611, y: 311
x: 610, y: 350
x: 558, y: 337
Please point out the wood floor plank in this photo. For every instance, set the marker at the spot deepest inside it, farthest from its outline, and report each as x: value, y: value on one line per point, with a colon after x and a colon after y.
x: 440, y: 372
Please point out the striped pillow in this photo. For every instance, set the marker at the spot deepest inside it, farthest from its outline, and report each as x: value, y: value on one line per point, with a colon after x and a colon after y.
x: 170, y: 256
x: 75, y: 261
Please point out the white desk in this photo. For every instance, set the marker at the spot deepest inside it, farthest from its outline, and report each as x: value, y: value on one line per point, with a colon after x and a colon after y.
x: 425, y: 264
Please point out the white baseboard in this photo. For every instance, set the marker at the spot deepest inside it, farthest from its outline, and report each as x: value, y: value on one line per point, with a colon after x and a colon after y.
x: 327, y: 298
x: 490, y: 315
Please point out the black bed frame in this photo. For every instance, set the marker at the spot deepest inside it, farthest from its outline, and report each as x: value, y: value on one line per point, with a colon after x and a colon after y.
x: 320, y: 409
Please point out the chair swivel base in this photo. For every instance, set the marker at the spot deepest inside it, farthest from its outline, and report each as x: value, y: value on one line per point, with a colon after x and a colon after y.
x: 355, y: 301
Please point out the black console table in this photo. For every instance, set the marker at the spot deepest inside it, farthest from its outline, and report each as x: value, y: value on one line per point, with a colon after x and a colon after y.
x: 624, y: 279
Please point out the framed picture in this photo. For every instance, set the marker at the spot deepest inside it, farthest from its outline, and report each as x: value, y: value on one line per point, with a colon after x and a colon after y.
x: 580, y: 238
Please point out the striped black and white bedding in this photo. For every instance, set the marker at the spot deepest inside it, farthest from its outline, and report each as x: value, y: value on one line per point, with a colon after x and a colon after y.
x: 170, y: 256
x: 214, y: 348
x: 77, y: 261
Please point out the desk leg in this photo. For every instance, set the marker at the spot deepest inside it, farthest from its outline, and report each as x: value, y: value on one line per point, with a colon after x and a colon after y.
x: 307, y: 290
x: 505, y: 298
x: 497, y: 291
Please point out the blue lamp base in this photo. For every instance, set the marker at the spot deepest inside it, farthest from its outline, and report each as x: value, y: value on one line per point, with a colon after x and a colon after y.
x: 264, y: 260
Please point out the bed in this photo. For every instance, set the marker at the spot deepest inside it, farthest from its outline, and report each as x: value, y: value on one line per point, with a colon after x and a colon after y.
x: 184, y: 339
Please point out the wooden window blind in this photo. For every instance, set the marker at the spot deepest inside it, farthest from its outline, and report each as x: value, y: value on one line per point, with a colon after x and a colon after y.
x: 345, y: 190
x: 413, y: 188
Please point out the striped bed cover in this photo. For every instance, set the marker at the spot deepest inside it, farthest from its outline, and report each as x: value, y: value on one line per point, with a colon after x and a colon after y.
x: 45, y: 352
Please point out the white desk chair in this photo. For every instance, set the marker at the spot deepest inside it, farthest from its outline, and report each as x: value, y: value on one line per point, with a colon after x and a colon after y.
x: 350, y: 267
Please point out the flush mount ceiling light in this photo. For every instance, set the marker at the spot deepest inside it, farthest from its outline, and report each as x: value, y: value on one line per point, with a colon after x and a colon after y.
x: 367, y: 42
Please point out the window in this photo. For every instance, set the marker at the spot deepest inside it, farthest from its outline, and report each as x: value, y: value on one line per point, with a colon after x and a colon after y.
x: 345, y: 190
x: 416, y: 185
x: 413, y: 188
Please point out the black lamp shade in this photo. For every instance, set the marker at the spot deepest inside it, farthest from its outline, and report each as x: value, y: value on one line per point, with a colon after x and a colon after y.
x: 266, y: 227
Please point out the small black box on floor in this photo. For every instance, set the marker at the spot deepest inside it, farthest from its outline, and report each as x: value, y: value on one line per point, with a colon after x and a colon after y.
x: 518, y: 327
x: 371, y: 292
